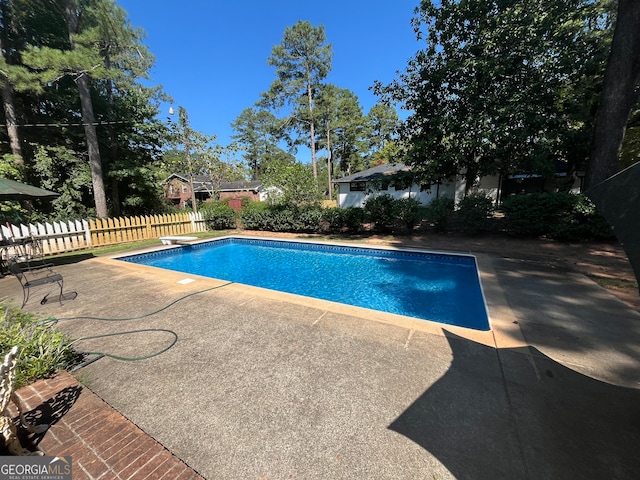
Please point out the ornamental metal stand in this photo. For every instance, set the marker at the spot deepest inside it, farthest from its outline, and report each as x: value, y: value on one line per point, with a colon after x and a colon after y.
x: 8, y: 431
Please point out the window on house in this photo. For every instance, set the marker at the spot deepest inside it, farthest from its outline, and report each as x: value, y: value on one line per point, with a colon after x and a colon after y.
x: 184, y: 189
x: 171, y: 189
x: 384, y: 185
x: 358, y: 186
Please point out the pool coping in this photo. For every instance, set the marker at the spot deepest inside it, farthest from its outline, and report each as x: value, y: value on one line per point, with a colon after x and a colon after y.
x: 503, y: 332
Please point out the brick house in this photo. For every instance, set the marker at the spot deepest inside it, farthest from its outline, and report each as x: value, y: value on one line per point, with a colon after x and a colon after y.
x: 178, y: 191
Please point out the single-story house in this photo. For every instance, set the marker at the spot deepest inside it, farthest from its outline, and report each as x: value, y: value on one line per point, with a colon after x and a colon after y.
x: 354, y: 190
x: 178, y: 190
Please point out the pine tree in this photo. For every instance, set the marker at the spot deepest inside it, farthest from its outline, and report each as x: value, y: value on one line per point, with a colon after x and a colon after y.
x: 302, y: 61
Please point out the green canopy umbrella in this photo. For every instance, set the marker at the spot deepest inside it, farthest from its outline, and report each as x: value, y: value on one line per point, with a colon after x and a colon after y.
x: 12, y: 190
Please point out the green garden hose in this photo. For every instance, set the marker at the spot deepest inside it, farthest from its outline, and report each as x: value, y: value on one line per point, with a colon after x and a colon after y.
x: 55, y: 320
x: 130, y: 359
x: 99, y: 354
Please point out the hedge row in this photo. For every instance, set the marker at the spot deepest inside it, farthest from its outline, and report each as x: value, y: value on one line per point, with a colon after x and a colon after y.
x: 384, y: 212
x: 560, y: 216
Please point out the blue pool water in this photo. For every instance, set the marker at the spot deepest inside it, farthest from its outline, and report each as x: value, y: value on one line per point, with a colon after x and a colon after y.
x: 429, y: 286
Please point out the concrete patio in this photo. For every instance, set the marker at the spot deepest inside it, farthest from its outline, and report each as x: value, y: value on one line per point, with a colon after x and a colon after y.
x: 268, y: 385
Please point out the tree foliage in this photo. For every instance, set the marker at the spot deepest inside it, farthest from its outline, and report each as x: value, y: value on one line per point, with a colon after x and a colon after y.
x: 76, y: 66
x: 341, y: 128
x: 319, y: 115
x: 302, y: 61
x: 383, y: 122
x: 294, y: 179
x: 258, y: 133
x: 501, y: 87
x: 62, y: 171
x: 619, y: 94
x: 194, y: 153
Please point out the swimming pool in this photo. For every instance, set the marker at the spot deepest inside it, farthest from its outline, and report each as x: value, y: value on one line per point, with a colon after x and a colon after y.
x: 430, y: 286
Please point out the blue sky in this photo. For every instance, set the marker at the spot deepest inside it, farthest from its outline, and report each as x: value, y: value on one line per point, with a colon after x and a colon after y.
x: 211, y: 57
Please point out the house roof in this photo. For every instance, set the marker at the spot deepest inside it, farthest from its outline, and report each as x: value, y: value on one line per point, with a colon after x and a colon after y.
x: 202, y: 183
x: 242, y: 185
x: 373, y: 173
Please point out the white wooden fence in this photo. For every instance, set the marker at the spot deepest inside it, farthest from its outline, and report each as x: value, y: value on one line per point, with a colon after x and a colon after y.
x: 60, y: 237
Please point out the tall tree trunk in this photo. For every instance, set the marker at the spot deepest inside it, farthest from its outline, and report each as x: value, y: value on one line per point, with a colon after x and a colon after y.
x: 329, y: 163
x: 12, y: 128
x: 619, y: 94
x: 113, y: 142
x: 312, y: 136
x: 7, y: 94
x: 194, y: 204
x: 312, y: 129
x: 472, y: 174
x: 115, y: 197
x: 95, y: 161
x: 72, y: 15
x: 183, y: 118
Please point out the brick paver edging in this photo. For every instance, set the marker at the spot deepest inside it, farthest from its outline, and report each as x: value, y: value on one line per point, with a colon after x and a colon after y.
x: 103, y: 444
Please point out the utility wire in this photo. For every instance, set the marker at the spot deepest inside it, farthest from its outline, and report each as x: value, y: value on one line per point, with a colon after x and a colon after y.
x: 81, y: 124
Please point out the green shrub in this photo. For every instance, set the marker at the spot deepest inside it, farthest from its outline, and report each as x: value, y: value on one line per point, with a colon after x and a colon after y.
x: 534, y: 214
x: 563, y: 216
x: 42, y: 349
x: 381, y: 211
x: 439, y: 211
x: 581, y: 222
x: 408, y: 211
x: 354, y: 219
x: 333, y: 219
x: 301, y: 219
x: 475, y: 212
x: 255, y: 216
x: 219, y: 215
x: 308, y: 218
x: 281, y: 217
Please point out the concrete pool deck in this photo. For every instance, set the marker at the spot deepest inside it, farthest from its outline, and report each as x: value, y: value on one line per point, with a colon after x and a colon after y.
x: 269, y: 385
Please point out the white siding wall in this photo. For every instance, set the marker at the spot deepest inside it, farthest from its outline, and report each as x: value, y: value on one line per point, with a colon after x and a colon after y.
x: 577, y: 186
x: 490, y: 186
x: 347, y: 198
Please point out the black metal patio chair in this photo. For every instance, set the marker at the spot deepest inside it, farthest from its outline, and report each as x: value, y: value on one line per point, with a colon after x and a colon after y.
x: 35, y: 278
